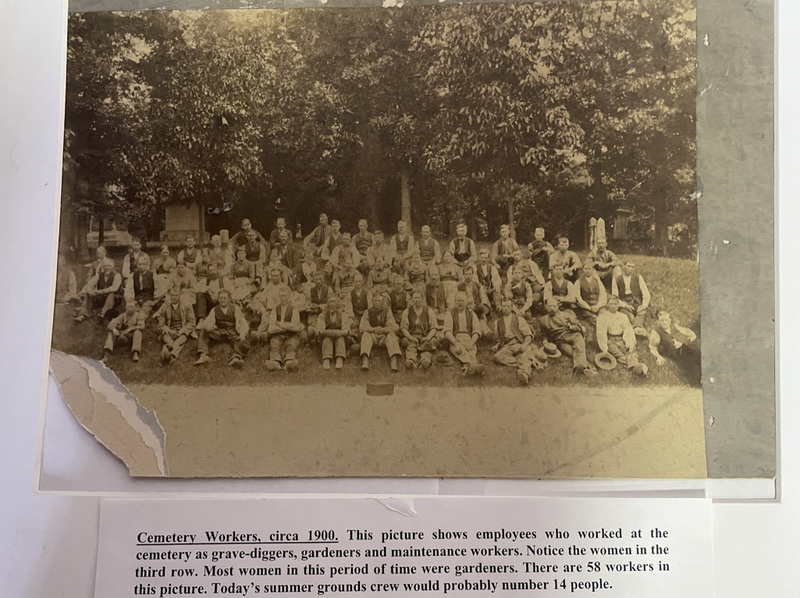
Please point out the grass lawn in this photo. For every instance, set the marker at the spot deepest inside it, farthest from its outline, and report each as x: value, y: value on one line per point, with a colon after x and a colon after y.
x: 673, y: 283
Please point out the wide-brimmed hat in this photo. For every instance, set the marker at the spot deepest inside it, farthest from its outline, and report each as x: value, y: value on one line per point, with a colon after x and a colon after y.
x: 551, y: 350
x: 605, y: 361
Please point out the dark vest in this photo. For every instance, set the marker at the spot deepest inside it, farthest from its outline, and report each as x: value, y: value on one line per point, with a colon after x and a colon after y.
x: 225, y: 321
x: 104, y: 280
x: 461, y: 248
x: 590, y: 290
x: 635, y: 290
x: 474, y: 289
x: 401, y: 244
x: 145, y: 289
x: 175, y: 321
x: 427, y: 249
x: 418, y: 324
x: 485, y: 278
x: 287, y: 317
x: 501, y: 329
x: 456, y: 329
x: 190, y: 258
x: 415, y: 275
x: 318, y: 297
x: 539, y: 254
x: 560, y: 290
x: 252, y: 252
x: 434, y: 297
x: 504, y: 247
x: 399, y: 301
x: 378, y: 318
x: 519, y: 293
x: 335, y: 323
x: 363, y: 242
x: 347, y: 277
x: 359, y: 302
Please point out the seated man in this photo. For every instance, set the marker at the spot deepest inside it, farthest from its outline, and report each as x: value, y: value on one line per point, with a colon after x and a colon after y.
x: 225, y: 323
x: 318, y: 296
x: 378, y: 327
x: 344, y: 277
x: 429, y: 250
x: 463, y: 248
x: 333, y: 326
x: 678, y: 343
x: 141, y: 287
x: 634, y: 296
x: 269, y: 297
x: 462, y: 331
x: 477, y: 300
x: 359, y: 300
x: 489, y: 277
x: 345, y: 251
x: 401, y: 247
x: 503, y: 249
x: 379, y: 249
x: 316, y: 239
x: 126, y: 327
x: 564, y: 257
x: 186, y: 282
x: 540, y: 251
x: 532, y: 274
x: 615, y: 335
x: 101, y: 292
x: 190, y: 256
x: 131, y: 258
x: 435, y: 297
x: 419, y: 333
x: 562, y: 329
x: 590, y: 294
x: 380, y: 276
x: 606, y: 263
x: 240, y: 238
x: 363, y: 240
x: 208, y: 289
x: 219, y: 255
x: 280, y: 227
x: 450, y: 276
x: 256, y: 252
x: 289, y: 257
x: 560, y: 289
x: 416, y: 273
x: 175, y: 322
x: 519, y: 291
x: 398, y: 297
x: 284, y: 334
x: 514, y: 347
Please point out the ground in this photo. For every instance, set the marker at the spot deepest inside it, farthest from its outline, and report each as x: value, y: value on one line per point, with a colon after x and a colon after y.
x: 673, y: 283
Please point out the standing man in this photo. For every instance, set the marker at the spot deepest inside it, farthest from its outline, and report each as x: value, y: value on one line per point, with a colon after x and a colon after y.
x: 462, y: 247
x: 566, y: 258
x: 489, y: 277
x: 284, y: 334
x: 334, y: 239
x: 290, y: 257
x: 634, y: 296
x: 190, y: 256
x: 131, y: 259
x: 462, y: 331
x: 240, y: 238
x: 514, y: 347
x: 418, y: 329
x: 334, y: 326
x: 401, y: 247
x: 175, y: 322
x: 362, y: 240
x: 126, y: 327
x: 615, y: 335
x: 503, y: 249
x: 225, y: 323
x: 429, y: 250
x: 378, y: 327
x: 563, y: 329
x: 379, y: 249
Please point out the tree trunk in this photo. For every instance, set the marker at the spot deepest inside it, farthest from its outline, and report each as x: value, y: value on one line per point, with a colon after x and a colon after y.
x: 511, y: 225
x: 101, y: 230
x: 405, y: 194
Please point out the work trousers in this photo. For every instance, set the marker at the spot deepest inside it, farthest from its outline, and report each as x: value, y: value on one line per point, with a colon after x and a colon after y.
x: 389, y: 340
x: 240, y: 348
x: 135, y: 340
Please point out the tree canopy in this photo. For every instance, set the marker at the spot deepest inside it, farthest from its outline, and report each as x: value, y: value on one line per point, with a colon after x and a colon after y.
x: 534, y: 114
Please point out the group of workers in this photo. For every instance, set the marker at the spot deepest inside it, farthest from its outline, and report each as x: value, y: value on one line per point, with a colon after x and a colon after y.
x: 424, y: 303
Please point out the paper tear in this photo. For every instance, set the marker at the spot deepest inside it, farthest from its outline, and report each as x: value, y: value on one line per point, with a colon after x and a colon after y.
x: 403, y: 506
x: 710, y: 421
x: 111, y: 413
x: 705, y: 41
x: 703, y: 91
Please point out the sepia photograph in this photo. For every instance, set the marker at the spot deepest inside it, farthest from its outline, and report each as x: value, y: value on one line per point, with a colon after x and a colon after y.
x: 436, y: 240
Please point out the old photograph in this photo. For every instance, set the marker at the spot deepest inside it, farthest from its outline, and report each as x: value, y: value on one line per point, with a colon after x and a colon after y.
x: 436, y: 240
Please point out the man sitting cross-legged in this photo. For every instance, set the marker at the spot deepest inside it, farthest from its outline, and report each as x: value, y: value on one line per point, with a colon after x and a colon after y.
x: 175, y: 322
x: 462, y: 331
x: 101, y: 292
x: 225, y: 323
x: 563, y: 329
x: 514, y: 347
x: 615, y: 335
x: 418, y: 328
x: 126, y: 327
x: 333, y: 326
x: 284, y: 333
x: 378, y: 328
